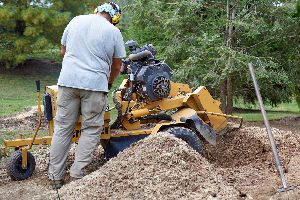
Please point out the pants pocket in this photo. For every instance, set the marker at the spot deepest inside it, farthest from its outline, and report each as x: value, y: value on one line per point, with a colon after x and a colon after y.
x: 93, y: 109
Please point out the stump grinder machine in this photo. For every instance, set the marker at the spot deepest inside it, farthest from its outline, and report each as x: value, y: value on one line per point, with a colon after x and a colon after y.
x: 147, y: 102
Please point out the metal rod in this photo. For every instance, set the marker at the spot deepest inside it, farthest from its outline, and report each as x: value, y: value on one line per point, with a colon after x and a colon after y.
x: 223, y: 115
x: 38, y: 94
x: 266, y: 121
x: 219, y: 114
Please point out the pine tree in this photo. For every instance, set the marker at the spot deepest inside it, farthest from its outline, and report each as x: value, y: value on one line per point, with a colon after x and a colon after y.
x: 207, y: 45
x: 35, y: 25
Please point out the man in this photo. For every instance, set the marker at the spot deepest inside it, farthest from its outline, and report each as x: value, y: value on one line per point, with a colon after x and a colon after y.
x: 93, y: 48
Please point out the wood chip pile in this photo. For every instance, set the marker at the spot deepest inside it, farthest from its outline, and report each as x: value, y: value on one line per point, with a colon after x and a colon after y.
x: 240, y: 166
x: 245, y: 160
x: 161, y: 166
x: 22, y: 121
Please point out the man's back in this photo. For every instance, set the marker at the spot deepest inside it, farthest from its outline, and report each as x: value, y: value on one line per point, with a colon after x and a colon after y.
x: 92, y: 49
x: 91, y: 42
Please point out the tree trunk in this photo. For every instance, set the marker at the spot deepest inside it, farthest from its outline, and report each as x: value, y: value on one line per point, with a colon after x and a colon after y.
x: 20, y: 27
x: 229, y: 95
x: 223, y: 83
x: 20, y: 23
x: 229, y: 43
x: 229, y: 106
x: 223, y: 94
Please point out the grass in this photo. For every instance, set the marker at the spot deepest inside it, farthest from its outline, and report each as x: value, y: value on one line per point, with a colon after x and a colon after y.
x: 18, y: 91
x: 256, y: 116
x: 284, y: 107
x: 252, y: 112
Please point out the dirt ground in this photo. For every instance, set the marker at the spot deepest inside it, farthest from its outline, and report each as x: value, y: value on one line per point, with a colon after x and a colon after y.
x: 34, y: 67
x: 240, y: 166
x: 288, y: 124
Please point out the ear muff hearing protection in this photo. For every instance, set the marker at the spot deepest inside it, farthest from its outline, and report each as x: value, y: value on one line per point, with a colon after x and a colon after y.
x: 112, y: 9
x: 116, y: 18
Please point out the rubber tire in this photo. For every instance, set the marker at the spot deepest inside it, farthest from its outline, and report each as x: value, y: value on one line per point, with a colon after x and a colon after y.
x: 188, y: 136
x: 14, y: 166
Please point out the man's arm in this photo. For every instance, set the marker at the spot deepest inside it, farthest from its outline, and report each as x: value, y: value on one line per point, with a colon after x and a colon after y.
x: 64, y: 39
x: 63, y: 50
x: 119, y: 53
x: 115, y: 69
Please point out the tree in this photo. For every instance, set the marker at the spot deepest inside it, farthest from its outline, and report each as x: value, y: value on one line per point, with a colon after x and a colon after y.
x: 295, y: 55
x: 27, y: 26
x: 191, y: 35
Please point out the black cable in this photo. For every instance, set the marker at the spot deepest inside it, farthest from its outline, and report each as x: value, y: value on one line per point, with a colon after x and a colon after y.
x: 118, y: 121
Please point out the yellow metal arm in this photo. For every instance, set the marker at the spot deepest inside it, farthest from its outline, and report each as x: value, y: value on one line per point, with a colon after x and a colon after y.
x: 38, y: 94
x: 224, y: 115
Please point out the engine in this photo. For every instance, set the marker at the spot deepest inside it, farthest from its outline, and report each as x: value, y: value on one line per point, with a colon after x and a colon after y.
x: 150, y: 77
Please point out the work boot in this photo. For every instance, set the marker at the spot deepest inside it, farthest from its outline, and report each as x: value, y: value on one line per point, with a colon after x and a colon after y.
x: 57, y: 184
x: 73, y: 179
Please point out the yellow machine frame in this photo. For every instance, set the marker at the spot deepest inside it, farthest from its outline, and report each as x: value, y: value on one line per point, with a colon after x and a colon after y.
x: 182, y: 98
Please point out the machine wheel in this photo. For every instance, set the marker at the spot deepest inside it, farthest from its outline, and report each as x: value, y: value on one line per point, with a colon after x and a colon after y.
x: 14, y: 166
x: 188, y: 136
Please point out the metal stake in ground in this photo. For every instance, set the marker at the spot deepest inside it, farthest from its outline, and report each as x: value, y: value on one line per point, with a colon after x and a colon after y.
x: 271, y: 137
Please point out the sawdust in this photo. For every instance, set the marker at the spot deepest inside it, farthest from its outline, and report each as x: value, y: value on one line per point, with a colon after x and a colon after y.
x: 25, y: 120
x: 38, y: 186
x: 290, y: 123
x: 161, y: 166
x: 245, y: 160
x: 240, y: 166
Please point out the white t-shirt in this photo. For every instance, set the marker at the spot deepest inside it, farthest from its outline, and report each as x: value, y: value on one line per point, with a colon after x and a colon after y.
x: 91, y: 43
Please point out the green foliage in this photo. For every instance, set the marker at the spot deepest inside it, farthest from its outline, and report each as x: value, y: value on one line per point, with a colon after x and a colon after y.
x: 25, y: 27
x: 296, y: 56
x: 297, y: 9
x: 28, y: 27
x: 190, y: 36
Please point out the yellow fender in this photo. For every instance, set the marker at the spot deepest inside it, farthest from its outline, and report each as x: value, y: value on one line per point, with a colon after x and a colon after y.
x: 189, y: 118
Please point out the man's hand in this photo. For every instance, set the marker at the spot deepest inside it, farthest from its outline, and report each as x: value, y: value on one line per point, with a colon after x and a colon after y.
x: 115, y: 70
x: 63, y: 50
x: 109, y: 86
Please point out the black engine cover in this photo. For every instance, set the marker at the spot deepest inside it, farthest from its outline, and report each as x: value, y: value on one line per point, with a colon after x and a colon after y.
x: 154, y: 81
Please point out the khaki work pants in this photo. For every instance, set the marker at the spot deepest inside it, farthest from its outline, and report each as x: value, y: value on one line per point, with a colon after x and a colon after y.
x: 70, y: 102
